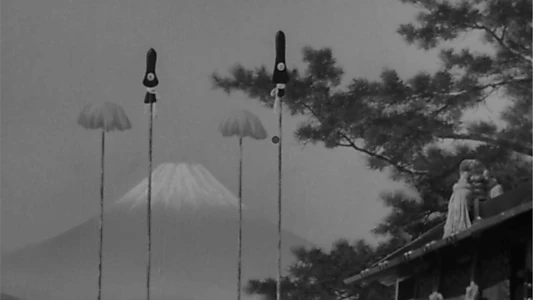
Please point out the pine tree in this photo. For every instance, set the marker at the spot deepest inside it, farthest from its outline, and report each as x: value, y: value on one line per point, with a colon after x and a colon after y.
x: 414, y: 127
x: 319, y: 275
x: 400, y: 124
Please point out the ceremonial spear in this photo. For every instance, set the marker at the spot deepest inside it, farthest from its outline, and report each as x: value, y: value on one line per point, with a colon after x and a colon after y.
x: 150, y: 81
x: 280, y: 77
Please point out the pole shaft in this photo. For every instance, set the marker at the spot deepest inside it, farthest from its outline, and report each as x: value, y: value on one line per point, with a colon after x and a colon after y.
x: 473, y: 265
x: 101, y: 223
x: 149, y: 205
x: 280, y: 122
x: 437, y: 272
x: 239, y: 267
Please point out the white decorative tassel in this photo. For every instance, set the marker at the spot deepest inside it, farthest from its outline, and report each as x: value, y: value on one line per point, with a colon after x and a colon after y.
x: 277, y: 102
x: 273, y: 93
x: 436, y: 296
x: 276, y: 106
x: 147, y: 109
x: 147, y: 105
x: 472, y: 291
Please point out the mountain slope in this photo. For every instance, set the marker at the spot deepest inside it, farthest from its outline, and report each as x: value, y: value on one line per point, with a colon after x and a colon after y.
x: 181, y: 185
x: 194, y: 251
x: 8, y: 297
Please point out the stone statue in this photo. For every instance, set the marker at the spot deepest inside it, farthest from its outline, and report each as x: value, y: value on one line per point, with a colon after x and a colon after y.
x: 458, y: 218
x: 470, y: 187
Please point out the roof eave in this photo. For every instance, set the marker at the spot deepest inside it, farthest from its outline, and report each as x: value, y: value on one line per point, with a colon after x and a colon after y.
x: 382, y: 270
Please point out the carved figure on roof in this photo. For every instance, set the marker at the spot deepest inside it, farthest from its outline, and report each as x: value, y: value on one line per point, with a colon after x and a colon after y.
x: 469, y: 185
x: 477, y: 179
x: 495, y: 188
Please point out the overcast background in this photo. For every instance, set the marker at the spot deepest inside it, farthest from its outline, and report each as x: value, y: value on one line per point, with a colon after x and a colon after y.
x: 58, y: 55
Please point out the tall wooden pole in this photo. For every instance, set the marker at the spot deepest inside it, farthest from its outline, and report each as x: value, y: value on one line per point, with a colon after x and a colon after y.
x: 280, y: 77
x: 239, y: 239
x: 150, y: 81
x: 149, y: 203
x: 101, y: 223
x: 280, y: 163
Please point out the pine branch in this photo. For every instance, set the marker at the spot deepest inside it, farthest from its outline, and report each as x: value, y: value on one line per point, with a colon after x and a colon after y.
x: 493, y: 84
x: 516, y: 147
x: 351, y: 144
x: 502, y: 43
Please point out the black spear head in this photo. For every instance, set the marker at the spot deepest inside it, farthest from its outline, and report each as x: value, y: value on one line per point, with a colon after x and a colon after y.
x: 150, y: 78
x: 280, y: 69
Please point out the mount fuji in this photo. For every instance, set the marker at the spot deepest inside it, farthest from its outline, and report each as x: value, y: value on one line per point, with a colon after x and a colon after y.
x: 194, y: 246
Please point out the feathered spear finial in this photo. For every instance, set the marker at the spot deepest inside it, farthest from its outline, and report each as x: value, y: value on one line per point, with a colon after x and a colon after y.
x: 280, y: 76
x: 150, y: 80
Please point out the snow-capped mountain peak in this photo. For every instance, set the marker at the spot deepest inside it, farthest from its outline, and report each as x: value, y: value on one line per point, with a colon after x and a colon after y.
x: 177, y: 185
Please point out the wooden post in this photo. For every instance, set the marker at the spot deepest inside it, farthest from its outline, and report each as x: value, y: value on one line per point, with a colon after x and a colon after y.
x: 527, y: 272
x: 476, y: 210
x: 397, y: 289
x: 437, y: 273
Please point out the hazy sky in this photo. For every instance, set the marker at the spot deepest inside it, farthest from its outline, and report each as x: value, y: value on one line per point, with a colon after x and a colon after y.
x: 58, y: 55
